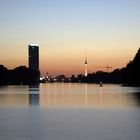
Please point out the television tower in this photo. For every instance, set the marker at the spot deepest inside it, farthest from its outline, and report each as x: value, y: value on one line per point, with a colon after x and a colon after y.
x: 86, y: 73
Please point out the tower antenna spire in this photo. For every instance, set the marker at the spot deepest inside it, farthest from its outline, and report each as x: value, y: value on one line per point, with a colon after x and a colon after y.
x: 86, y: 63
x: 85, y: 57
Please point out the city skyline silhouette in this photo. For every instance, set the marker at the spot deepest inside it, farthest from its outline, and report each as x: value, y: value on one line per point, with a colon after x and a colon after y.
x: 107, y: 30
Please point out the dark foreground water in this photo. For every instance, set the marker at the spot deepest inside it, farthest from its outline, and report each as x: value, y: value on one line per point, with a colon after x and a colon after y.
x: 69, y: 112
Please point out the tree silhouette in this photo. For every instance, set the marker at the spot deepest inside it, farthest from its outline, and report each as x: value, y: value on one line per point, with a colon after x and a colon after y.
x: 19, y: 75
x: 131, y: 73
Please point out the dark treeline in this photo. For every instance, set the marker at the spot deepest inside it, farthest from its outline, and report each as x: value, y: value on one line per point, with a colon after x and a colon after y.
x: 19, y: 75
x: 100, y: 76
x: 131, y: 73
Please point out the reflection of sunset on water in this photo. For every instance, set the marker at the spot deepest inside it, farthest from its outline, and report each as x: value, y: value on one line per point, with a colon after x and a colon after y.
x: 83, y: 95
x: 69, y: 95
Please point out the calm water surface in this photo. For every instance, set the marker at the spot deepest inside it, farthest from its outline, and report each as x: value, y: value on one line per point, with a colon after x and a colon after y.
x: 69, y: 112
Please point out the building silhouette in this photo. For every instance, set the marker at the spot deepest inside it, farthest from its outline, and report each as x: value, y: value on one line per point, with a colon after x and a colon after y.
x: 34, y: 57
x: 34, y: 96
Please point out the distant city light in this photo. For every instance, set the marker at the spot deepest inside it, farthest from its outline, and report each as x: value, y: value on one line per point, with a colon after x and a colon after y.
x: 42, y: 78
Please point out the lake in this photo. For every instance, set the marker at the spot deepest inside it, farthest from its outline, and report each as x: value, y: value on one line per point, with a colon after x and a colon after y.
x: 66, y: 111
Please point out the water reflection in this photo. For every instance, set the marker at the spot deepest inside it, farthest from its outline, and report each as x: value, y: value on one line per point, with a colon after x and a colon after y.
x: 136, y: 97
x: 101, y: 96
x: 66, y: 95
x: 11, y: 97
x: 86, y: 95
x: 70, y: 95
x: 34, y: 95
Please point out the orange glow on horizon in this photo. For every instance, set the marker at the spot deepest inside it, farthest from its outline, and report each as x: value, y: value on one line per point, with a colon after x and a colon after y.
x: 63, y: 58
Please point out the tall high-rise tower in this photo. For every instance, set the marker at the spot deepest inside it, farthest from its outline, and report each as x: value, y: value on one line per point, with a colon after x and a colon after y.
x: 86, y: 63
x: 34, y: 56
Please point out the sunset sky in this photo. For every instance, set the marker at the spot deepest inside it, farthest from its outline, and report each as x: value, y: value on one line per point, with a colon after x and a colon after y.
x: 108, y: 30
